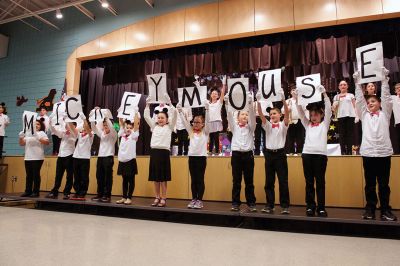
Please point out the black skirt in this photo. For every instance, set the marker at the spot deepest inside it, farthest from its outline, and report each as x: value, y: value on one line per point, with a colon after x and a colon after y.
x: 160, y: 165
x: 127, y: 168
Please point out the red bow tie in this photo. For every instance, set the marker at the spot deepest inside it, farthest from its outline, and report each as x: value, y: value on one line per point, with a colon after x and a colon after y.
x: 83, y: 134
x: 374, y: 113
x: 342, y: 96
x: 196, y: 131
x: 241, y: 126
x: 67, y: 132
x: 126, y: 137
x: 275, y: 125
x: 314, y: 124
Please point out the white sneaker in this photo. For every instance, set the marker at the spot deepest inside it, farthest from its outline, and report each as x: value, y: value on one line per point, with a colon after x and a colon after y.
x: 191, y: 204
x: 128, y: 202
x: 198, y: 204
x: 121, y: 201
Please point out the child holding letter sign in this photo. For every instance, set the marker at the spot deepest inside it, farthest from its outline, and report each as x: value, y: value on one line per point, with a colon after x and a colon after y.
x: 314, y: 154
x: 160, y: 165
x: 376, y: 148
x: 396, y: 114
x: 242, y: 159
x: 127, y: 167
x: 215, y: 123
x: 198, y: 134
x: 34, y: 156
x: 275, y: 156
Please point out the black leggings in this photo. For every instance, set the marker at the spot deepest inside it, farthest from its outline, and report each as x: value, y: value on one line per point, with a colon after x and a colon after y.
x: 183, y: 141
x: 214, y: 141
x: 64, y: 164
x: 1, y: 146
x: 346, y: 134
x: 81, y: 176
x: 104, y: 176
x: 32, y: 169
x: 314, y: 167
x: 128, y: 186
x: 56, y: 144
x: 197, y: 168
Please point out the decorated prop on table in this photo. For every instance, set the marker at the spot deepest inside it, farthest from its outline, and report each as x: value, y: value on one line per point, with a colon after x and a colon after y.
x: 129, y: 104
x: 47, y: 101
x: 29, y: 123
x: 192, y: 96
x: 269, y: 85
x: 370, y: 62
x: 237, y: 93
x: 73, y: 107
x: 21, y: 100
x: 157, y: 87
x: 308, y: 89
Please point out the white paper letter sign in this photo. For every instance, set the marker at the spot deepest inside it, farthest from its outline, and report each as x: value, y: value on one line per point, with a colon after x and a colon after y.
x: 59, y: 111
x: 192, y: 96
x: 269, y: 85
x: 98, y: 115
x: 307, y: 87
x: 157, y: 87
x: 29, y: 123
x: 370, y: 62
x: 73, y: 106
x: 129, y: 101
x: 237, y: 92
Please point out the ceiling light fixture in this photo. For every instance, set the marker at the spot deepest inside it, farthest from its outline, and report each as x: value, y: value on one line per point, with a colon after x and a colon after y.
x: 59, y: 15
x: 105, y: 4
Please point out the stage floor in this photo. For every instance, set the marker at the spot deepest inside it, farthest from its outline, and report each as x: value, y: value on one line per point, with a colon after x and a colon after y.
x: 341, y: 221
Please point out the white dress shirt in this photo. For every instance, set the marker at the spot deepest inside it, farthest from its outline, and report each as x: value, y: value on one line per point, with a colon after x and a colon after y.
x: 34, y: 150
x: 127, y: 146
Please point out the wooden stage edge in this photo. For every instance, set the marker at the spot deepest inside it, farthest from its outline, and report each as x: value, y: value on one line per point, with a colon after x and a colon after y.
x: 341, y: 221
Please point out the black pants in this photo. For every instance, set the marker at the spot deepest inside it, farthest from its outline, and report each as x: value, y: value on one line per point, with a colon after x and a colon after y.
x: 214, y: 142
x: 295, y: 138
x: 377, y: 168
x: 64, y: 164
x: 276, y: 164
x: 197, y: 168
x: 314, y: 167
x: 346, y: 134
x: 1, y: 146
x: 81, y: 175
x: 396, y: 139
x: 104, y: 176
x: 243, y: 165
x: 259, y: 134
x: 183, y: 141
x: 32, y: 169
x: 128, y: 185
x: 56, y: 144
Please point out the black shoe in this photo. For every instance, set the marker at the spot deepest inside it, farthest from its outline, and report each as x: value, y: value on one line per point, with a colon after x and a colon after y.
x: 235, y: 208
x: 310, y: 212
x: 105, y: 200
x: 253, y: 208
x: 322, y: 213
x: 66, y: 197
x: 97, y: 198
x: 368, y: 214
x: 26, y: 194
x: 268, y: 209
x: 388, y: 216
x: 35, y: 195
x: 51, y: 196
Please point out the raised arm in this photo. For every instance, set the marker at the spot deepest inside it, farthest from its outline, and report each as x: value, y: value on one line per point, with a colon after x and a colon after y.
x: 184, y: 120
x: 286, y: 109
x: 301, y: 113
x: 229, y: 116
x: 113, y: 132
x: 252, y: 115
x: 223, y: 90
x: 174, y: 117
x: 136, y: 122
x: 361, y: 103
x: 387, y: 102
x: 328, y: 108
x: 148, y: 118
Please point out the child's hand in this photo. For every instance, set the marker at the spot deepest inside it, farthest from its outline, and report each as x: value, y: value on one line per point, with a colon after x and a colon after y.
x: 224, y: 80
x: 321, y: 89
x: 82, y: 116
x: 283, y: 96
x: 206, y: 105
x: 356, y: 77
x: 356, y: 120
x: 385, y: 72
x: 21, y: 134
x: 258, y: 95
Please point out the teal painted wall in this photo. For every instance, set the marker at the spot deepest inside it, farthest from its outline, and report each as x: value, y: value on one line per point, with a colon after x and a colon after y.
x: 36, y: 60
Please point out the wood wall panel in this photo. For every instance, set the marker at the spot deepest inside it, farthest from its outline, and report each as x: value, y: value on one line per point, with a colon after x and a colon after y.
x: 170, y: 29
x: 88, y: 49
x: 314, y: 13
x: 113, y: 42
x: 140, y: 35
x: 344, y: 179
x: 349, y: 11
x: 268, y: 20
x: 236, y: 18
x: 201, y: 23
